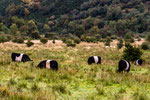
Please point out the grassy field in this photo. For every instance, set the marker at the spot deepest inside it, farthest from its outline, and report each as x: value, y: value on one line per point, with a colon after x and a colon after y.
x: 75, y: 80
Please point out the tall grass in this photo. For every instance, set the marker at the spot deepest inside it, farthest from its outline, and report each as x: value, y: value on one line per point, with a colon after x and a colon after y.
x: 75, y: 79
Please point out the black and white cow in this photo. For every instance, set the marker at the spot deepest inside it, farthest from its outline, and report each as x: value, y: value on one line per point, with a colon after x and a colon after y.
x: 124, y: 65
x: 20, y: 57
x: 49, y: 64
x: 139, y: 62
x: 94, y: 59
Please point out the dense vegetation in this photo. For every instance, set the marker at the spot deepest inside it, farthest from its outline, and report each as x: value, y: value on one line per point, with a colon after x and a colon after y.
x: 90, y: 20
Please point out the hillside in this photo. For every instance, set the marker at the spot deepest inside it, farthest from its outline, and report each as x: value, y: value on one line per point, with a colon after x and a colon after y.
x: 87, y: 19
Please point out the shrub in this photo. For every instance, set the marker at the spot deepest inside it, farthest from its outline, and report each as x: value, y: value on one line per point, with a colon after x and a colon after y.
x: 29, y: 43
x: 18, y: 40
x: 113, y: 37
x: 139, y: 39
x: 44, y: 40
x: 77, y: 40
x: 64, y: 40
x: 83, y: 37
x: 131, y: 53
x: 107, y: 42
x: 145, y: 46
x: 70, y: 42
x: 120, y: 44
x: 90, y: 39
x: 129, y: 38
x: 35, y: 34
x: 50, y: 35
x: 148, y: 37
x: 3, y: 38
x: 53, y: 41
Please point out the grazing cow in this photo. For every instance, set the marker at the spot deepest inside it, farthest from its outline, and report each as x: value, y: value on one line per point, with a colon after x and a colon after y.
x: 20, y: 57
x: 49, y: 64
x: 139, y: 62
x: 94, y: 59
x: 124, y: 66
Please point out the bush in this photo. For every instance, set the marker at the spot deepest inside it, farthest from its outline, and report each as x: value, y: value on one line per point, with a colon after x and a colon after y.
x: 35, y: 34
x: 83, y: 37
x: 148, y: 37
x: 129, y: 38
x: 139, y: 39
x: 120, y: 44
x: 77, y: 40
x: 3, y: 38
x: 29, y: 43
x: 70, y: 42
x: 145, y: 46
x: 131, y: 53
x: 90, y: 39
x: 18, y: 40
x: 113, y: 37
x: 53, y: 41
x: 50, y: 35
x: 44, y: 40
x: 107, y: 42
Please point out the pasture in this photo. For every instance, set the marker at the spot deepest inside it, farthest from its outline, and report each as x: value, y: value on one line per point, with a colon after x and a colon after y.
x: 75, y: 79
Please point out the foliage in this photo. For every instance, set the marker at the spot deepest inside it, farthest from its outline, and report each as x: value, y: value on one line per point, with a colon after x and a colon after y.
x: 107, y: 42
x: 77, y: 40
x: 29, y: 43
x: 3, y: 38
x: 145, y: 46
x: 129, y: 38
x: 131, y: 53
x: 70, y: 43
x: 32, y: 18
x: 44, y: 40
x: 90, y: 39
x: 53, y: 41
x: 120, y: 44
x: 35, y: 34
x: 148, y: 37
x: 18, y: 40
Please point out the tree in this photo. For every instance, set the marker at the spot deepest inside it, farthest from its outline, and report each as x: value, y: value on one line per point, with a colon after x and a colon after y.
x: 4, y: 29
x: 46, y: 27
x: 120, y: 44
x: 131, y: 53
x: 13, y: 29
x: 94, y: 30
x: 148, y: 37
x: 114, y: 13
x: 79, y: 30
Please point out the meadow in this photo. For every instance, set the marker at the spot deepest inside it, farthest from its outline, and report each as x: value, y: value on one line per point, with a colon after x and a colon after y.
x: 75, y: 79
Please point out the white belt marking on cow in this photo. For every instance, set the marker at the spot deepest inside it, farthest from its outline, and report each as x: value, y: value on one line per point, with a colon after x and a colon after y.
x: 137, y: 63
x: 48, y: 64
x: 96, y: 59
x: 20, y: 57
x: 127, y: 65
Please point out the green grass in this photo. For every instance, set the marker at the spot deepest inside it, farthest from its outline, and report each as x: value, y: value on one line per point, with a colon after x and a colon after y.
x: 75, y: 80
